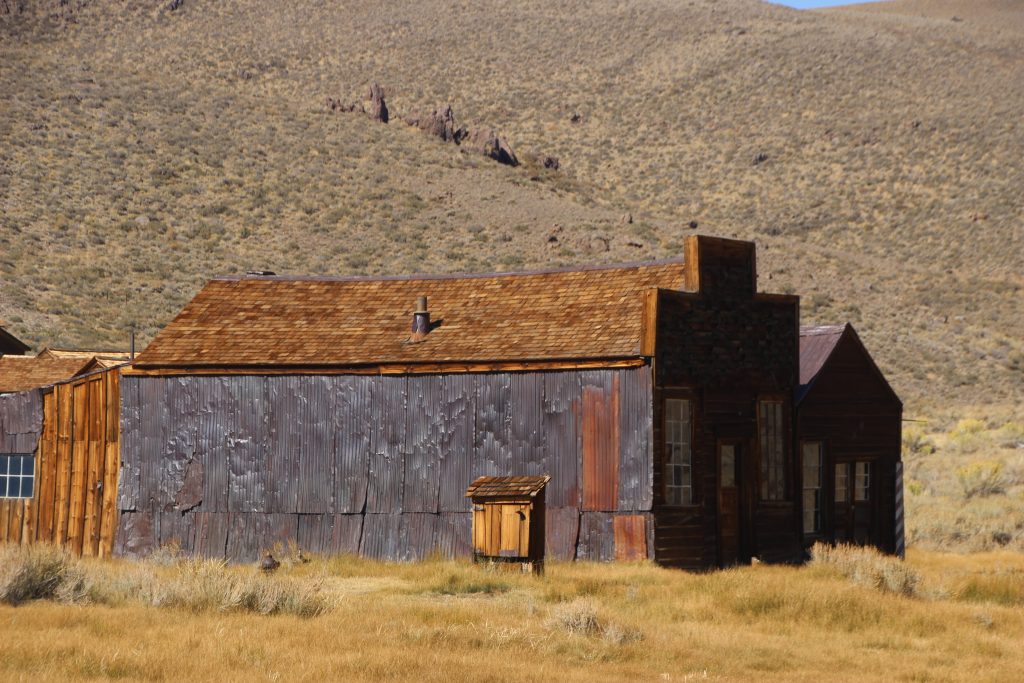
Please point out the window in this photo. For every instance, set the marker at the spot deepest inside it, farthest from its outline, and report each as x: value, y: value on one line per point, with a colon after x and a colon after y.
x: 812, y: 487
x: 727, y: 458
x: 773, y: 453
x: 17, y: 475
x: 842, y: 474
x: 678, y: 452
x: 861, y: 481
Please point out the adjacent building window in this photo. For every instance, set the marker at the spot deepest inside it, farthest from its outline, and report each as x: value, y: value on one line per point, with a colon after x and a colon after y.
x: 773, y: 454
x: 861, y: 481
x: 17, y: 475
x: 811, y: 451
x: 678, y: 452
x: 842, y: 475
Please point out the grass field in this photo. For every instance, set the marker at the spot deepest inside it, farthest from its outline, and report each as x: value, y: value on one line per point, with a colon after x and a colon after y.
x: 444, y: 621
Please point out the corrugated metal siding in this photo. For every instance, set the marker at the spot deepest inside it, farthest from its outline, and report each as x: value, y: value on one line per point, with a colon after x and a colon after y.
x: 425, y: 427
x: 387, y: 456
x: 597, y: 537
x: 315, y: 454
x: 456, y: 454
x: 600, y: 439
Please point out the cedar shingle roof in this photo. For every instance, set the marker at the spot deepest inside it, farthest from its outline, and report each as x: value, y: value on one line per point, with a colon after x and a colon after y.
x: 494, y: 487
x: 108, y: 357
x: 276, y: 321
x: 18, y: 373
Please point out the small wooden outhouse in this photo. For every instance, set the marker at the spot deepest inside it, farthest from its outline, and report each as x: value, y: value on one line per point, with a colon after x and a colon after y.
x: 508, y: 520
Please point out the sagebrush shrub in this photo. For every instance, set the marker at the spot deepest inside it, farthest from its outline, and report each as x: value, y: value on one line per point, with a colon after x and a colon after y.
x: 868, y: 567
x: 983, y: 478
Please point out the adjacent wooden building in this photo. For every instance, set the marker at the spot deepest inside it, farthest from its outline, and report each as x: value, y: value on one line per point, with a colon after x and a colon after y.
x: 849, y: 425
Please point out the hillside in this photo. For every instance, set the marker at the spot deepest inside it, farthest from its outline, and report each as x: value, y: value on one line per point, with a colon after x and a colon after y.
x: 876, y: 158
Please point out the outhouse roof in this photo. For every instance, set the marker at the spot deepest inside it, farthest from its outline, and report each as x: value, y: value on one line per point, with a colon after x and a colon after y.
x: 507, y: 487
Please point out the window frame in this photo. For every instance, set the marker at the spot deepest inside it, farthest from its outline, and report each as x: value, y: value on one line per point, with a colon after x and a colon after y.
x: 677, y: 394
x: 7, y: 475
x: 763, y: 495
x: 819, y: 508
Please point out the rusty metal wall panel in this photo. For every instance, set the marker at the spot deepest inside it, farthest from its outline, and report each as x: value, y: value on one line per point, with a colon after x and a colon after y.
x: 562, y: 438
x: 630, y: 537
x: 493, y: 415
x: 425, y: 428
x: 597, y: 537
x: 600, y: 440
x: 526, y: 430
x: 214, y: 418
x: 346, y: 534
x: 454, y: 531
x: 419, y: 536
x: 458, y: 411
x: 314, y: 532
x: 250, y: 534
x: 284, y: 414
x: 636, y: 455
x: 382, y: 536
x: 561, y: 532
x: 153, y: 421
x: 176, y: 527
x: 211, y: 534
x: 353, y: 410
x: 387, y: 416
x: 247, y: 445
x: 136, y: 534
x: 128, y: 480
x: 316, y: 448
x: 181, y: 406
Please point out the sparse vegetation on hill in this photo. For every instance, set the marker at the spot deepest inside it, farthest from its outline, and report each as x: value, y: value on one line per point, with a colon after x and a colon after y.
x: 877, y: 159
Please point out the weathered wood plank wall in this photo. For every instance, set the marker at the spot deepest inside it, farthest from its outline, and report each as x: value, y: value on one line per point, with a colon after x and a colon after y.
x: 73, y: 430
x: 230, y: 465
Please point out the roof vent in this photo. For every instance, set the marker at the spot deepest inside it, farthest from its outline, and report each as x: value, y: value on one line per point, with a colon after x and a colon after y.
x: 260, y: 273
x: 420, y: 320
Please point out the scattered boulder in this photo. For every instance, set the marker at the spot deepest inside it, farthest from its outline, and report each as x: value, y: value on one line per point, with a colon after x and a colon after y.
x: 440, y: 123
x: 693, y: 225
x: 378, y: 107
x: 575, y: 118
x: 487, y: 142
x: 339, y: 106
x: 760, y: 158
x: 174, y: 4
x: 627, y: 218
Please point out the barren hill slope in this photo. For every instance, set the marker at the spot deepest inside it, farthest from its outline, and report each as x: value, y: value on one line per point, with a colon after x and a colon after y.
x: 876, y: 160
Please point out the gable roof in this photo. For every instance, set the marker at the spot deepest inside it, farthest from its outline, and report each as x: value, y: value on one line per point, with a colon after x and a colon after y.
x: 18, y: 373
x: 105, y: 358
x: 817, y: 344
x: 9, y: 344
x: 501, y: 487
x: 590, y: 313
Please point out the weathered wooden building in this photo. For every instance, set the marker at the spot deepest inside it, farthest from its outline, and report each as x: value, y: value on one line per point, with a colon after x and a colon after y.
x: 848, y: 424
x: 674, y: 407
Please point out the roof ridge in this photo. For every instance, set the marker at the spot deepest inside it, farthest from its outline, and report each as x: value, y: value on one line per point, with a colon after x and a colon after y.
x: 629, y: 265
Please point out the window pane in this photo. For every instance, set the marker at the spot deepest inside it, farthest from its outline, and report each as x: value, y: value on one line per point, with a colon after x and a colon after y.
x: 26, y: 487
x: 3, y: 464
x: 862, y: 481
x: 13, y: 487
x: 728, y: 462
x: 28, y: 464
x: 841, y: 495
x: 3, y: 486
x: 771, y: 436
x: 14, y: 465
x: 678, y: 452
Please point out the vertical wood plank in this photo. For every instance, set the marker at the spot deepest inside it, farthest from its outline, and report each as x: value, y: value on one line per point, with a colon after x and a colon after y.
x: 111, y: 464
x: 94, y: 433
x: 79, y: 466
x: 62, y: 498
x: 46, y: 477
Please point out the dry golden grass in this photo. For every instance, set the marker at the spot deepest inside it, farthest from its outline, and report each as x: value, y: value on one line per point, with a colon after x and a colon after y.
x: 441, y: 620
x: 142, y: 151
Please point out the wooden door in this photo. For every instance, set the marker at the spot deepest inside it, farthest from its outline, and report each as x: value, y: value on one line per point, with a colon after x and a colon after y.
x: 729, y: 543
x: 854, y: 502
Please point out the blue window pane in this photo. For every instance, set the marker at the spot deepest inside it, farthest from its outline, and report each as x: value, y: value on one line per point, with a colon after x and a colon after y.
x: 14, y: 465
x: 3, y: 464
x: 13, y: 487
x: 3, y: 486
x: 28, y: 464
x: 26, y: 488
